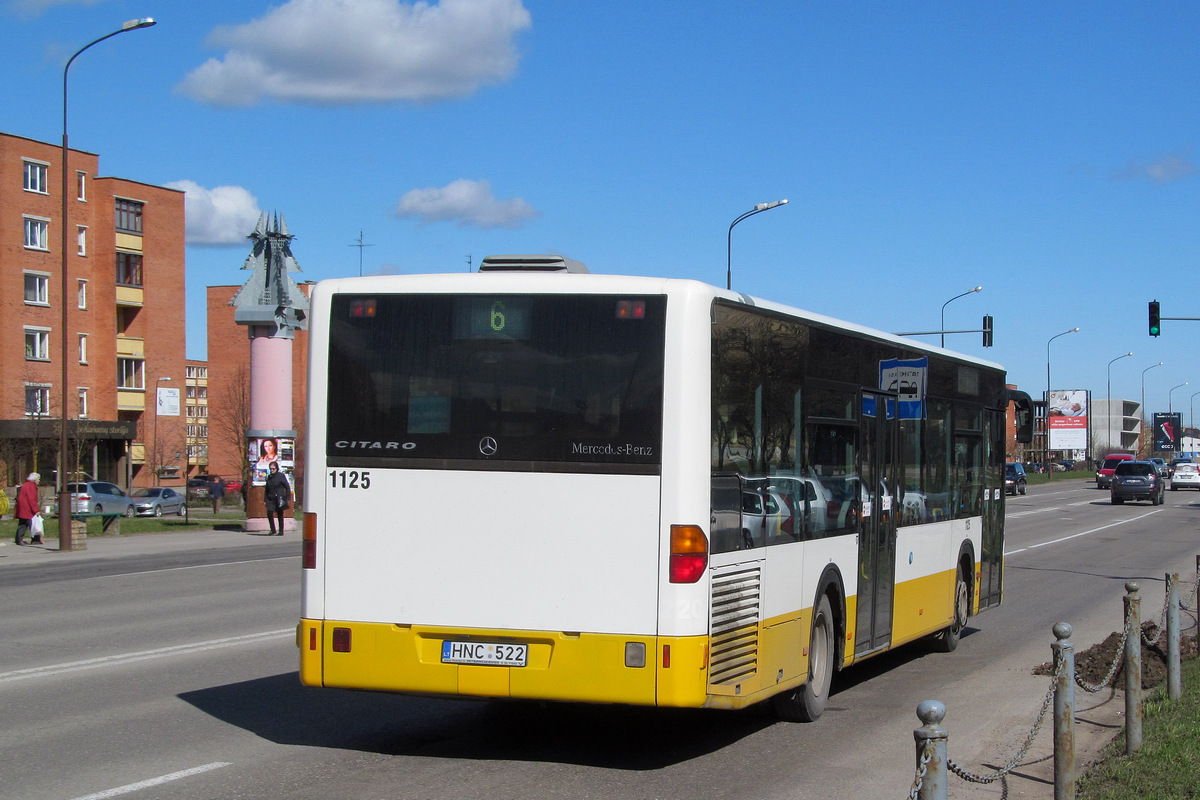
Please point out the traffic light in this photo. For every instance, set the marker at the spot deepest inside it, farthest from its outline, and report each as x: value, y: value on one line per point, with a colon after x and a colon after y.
x: 987, y: 331
x: 1155, y: 320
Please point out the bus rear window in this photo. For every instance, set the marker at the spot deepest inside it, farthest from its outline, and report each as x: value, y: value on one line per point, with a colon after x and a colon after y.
x: 526, y: 382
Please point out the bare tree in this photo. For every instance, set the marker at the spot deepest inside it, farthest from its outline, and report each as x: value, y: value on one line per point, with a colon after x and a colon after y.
x: 229, y: 419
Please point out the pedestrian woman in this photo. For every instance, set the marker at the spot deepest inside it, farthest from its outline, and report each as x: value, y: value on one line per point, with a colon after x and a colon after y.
x: 27, y: 507
x: 278, y: 493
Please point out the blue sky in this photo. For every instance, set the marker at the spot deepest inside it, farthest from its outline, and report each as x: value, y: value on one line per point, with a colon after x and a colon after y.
x: 1046, y: 151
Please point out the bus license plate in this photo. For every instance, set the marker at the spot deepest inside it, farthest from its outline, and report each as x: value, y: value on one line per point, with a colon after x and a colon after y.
x: 486, y: 653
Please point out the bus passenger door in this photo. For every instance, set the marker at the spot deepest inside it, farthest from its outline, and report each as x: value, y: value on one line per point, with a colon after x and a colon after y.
x: 877, y: 523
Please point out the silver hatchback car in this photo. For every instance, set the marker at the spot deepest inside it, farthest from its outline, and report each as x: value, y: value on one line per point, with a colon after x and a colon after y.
x: 96, y: 497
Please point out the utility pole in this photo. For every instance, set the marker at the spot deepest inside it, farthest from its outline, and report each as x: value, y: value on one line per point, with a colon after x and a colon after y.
x: 360, y: 247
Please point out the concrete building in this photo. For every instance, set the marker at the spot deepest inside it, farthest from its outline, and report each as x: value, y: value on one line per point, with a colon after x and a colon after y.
x: 1116, y: 426
x: 125, y: 319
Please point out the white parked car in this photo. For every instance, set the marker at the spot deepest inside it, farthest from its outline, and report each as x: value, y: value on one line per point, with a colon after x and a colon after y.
x: 1187, y: 476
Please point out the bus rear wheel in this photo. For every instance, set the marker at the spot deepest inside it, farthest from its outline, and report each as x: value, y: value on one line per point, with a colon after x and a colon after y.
x: 806, y: 702
x: 946, y: 640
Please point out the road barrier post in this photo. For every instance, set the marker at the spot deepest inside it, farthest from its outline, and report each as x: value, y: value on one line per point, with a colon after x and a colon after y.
x: 1133, y: 669
x: 1064, y: 713
x: 931, y: 752
x: 1174, y: 683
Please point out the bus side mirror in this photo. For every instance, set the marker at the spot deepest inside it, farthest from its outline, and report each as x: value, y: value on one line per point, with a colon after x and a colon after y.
x: 1023, y: 412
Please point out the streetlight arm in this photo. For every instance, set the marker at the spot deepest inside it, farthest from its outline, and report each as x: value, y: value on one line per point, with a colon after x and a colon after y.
x: 758, y: 209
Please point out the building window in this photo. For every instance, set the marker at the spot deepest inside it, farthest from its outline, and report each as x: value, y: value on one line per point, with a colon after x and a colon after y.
x: 37, y: 344
x: 201, y: 411
x: 37, y: 233
x: 129, y: 269
x: 191, y: 392
x: 36, y: 178
x: 130, y: 374
x: 37, y: 289
x: 202, y: 431
x: 81, y: 186
x: 82, y: 294
x: 37, y: 400
x: 83, y: 348
x: 129, y: 216
x: 202, y: 392
x: 83, y: 411
x: 81, y: 239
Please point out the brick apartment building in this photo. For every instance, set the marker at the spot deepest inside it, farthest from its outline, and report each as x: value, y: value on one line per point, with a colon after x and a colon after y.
x: 229, y: 387
x: 125, y: 320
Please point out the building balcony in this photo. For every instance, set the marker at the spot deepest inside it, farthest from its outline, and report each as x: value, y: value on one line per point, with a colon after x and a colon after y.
x: 130, y: 295
x: 131, y: 399
x: 137, y: 452
x: 130, y: 346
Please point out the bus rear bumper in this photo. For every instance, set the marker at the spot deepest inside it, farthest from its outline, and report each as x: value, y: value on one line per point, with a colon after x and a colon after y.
x: 574, y: 667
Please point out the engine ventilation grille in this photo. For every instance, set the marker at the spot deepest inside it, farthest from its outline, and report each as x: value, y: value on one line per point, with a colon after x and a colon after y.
x: 736, y: 606
x: 531, y: 264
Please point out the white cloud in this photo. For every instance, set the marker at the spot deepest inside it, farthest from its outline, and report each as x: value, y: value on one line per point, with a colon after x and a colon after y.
x: 220, y: 217
x: 467, y: 203
x: 342, y: 52
x: 1166, y: 169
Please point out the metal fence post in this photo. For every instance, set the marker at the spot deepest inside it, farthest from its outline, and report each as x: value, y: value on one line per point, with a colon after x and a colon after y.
x: 931, y: 743
x: 1064, y: 713
x: 1133, y: 669
x: 1174, y: 682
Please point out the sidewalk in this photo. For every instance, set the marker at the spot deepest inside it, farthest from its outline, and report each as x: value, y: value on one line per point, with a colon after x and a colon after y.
x: 130, y: 544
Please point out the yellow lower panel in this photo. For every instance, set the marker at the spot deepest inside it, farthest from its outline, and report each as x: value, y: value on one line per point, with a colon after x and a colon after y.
x: 560, y: 666
x: 923, y: 606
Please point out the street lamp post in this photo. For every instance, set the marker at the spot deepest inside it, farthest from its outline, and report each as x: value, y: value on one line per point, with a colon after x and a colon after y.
x: 1108, y: 434
x: 156, y: 452
x: 1046, y: 464
x: 758, y: 209
x: 1192, y: 405
x: 1142, y: 410
x: 65, y: 539
x: 942, y: 328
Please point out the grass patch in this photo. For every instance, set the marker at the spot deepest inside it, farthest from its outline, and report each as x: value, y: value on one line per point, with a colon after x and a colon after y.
x: 1075, y: 475
x: 1167, y: 765
x: 197, y: 519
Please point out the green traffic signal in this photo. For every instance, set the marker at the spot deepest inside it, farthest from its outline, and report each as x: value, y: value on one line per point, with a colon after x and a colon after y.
x: 1155, y: 319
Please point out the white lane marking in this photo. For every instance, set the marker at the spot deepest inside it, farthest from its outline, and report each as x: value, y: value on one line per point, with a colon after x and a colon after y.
x: 1034, y: 511
x: 194, y: 566
x: 1082, y: 533
x: 146, y: 784
x: 143, y: 655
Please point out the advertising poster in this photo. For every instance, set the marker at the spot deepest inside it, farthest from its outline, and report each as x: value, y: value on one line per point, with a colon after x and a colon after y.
x: 1068, y: 420
x: 1167, y: 430
x: 263, y: 450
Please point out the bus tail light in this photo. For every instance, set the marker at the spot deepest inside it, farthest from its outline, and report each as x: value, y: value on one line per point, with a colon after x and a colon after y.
x: 689, y: 553
x: 309, y: 554
x: 341, y: 640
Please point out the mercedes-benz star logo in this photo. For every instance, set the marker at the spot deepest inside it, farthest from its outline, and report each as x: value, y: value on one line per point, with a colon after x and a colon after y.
x: 488, y: 446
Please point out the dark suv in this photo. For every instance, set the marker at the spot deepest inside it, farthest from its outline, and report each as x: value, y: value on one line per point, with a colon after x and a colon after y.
x: 1137, y: 480
x: 1014, y: 478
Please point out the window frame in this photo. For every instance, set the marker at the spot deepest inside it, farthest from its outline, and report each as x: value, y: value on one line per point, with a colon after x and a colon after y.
x: 128, y: 215
x: 42, y: 392
x: 40, y: 174
x: 41, y: 288
x: 131, y: 368
x: 124, y: 264
x: 40, y: 228
x: 81, y: 240
x: 41, y: 343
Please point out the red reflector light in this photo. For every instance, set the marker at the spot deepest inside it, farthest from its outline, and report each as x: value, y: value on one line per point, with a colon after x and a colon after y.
x: 312, y: 638
x: 689, y: 553
x: 308, y: 555
x: 631, y: 309
x: 666, y: 655
x: 341, y: 640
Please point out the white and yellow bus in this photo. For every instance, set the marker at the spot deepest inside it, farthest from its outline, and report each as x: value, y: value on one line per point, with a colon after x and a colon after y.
x: 534, y: 482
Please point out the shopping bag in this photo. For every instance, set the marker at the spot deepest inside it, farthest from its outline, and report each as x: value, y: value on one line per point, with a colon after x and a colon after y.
x: 4, y: 507
x: 35, y: 525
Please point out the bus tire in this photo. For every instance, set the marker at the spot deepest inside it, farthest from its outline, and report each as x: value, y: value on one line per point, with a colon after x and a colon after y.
x: 946, y: 640
x: 806, y: 702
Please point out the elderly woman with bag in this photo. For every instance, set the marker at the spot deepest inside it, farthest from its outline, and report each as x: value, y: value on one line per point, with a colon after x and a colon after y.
x: 27, y: 508
x: 276, y: 497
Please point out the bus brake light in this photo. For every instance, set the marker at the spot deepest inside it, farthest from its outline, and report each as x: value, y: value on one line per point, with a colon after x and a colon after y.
x: 309, y: 553
x: 689, y: 553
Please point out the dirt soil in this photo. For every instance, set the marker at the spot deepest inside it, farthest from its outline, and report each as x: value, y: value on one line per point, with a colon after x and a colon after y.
x: 1093, y: 664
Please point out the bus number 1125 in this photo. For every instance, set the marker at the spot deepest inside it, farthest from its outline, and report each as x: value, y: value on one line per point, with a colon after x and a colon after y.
x: 352, y: 479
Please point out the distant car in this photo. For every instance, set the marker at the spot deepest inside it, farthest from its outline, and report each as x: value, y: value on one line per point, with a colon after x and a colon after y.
x: 766, y: 516
x: 1014, y: 478
x: 1187, y: 476
x: 197, y: 488
x: 1137, y: 480
x: 1105, y: 472
x: 158, y: 501
x: 97, y: 497
x: 1161, y: 463
x: 1181, y: 460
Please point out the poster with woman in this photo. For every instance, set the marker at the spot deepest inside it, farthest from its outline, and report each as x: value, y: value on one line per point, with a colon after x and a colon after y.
x: 263, y: 450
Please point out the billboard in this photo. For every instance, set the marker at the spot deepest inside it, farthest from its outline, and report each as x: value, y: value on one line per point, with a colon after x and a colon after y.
x: 1168, y: 428
x: 1067, y: 419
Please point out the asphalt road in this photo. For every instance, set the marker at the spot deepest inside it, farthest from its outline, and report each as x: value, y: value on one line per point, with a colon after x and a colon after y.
x: 167, y: 664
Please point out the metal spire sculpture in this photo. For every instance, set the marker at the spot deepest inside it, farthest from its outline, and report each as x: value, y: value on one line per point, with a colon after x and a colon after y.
x: 270, y: 297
